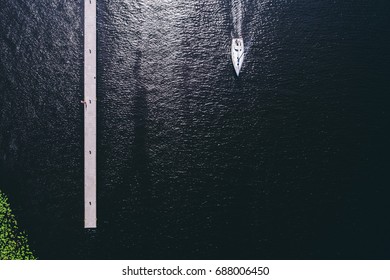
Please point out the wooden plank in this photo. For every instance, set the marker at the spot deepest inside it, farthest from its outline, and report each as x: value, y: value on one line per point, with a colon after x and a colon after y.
x: 90, y: 114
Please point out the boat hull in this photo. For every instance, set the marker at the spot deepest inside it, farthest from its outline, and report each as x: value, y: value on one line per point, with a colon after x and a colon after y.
x: 237, y: 54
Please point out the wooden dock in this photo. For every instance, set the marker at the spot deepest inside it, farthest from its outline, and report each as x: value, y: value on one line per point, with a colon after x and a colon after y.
x: 90, y: 114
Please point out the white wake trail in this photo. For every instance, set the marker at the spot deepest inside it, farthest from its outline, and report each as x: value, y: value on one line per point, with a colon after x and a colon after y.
x: 237, y: 14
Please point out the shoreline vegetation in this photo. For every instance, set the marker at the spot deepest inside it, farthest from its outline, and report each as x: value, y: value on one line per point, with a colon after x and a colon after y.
x: 13, y: 241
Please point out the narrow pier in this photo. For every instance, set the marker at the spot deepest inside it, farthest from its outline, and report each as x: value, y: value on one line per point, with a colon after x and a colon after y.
x: 90, y: 114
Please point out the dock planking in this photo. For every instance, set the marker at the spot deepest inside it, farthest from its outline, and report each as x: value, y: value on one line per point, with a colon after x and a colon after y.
x: 90, y: 219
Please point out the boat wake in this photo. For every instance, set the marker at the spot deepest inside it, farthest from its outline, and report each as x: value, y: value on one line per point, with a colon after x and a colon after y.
x: 237, y: 15
x: 237, y: 49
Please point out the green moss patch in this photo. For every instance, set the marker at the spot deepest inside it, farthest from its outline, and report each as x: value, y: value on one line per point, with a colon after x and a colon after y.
x: 13, y: 242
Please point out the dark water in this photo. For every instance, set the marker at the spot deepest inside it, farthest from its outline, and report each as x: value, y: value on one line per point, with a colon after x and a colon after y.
x: 290, y: 161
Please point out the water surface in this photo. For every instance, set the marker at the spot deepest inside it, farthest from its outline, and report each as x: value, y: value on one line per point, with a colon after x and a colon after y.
x: 289, y: 161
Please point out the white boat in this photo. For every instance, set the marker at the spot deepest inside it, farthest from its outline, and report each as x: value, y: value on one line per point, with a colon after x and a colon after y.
x: 237, y: 54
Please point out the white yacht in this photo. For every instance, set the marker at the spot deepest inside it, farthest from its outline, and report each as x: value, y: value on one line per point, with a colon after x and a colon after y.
x: 237, y: 54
